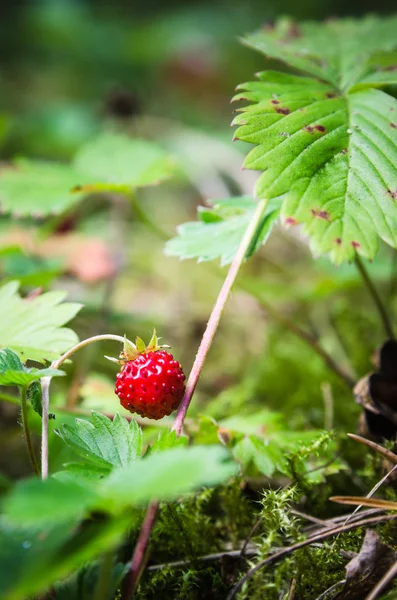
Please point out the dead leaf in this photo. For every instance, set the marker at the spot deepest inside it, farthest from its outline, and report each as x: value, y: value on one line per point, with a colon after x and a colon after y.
x: 377, y: 394
x: 367, y: 567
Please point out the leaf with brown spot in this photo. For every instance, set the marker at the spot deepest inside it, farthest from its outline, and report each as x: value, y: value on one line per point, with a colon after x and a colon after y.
x: 349, y: 160
x: 339, y: 157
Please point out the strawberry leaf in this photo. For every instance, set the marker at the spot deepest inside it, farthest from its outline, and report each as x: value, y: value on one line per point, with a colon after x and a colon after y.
x: 24, y: 378
x: 9, y: 361
x: 167, y: 440
x: 37, y: 188
x: 341, y: 52
x: 44, y: 503
x: 32, y: 328
x: 268, y: 457
x: 328, y: 159
x: 108, y: 163
x: 104, y: 442
x: 35, y: 557
x: 165, y: 475
x: 35, y: 397
x: 219, y: 232
x: 38, y: 503
x: 115, y: 162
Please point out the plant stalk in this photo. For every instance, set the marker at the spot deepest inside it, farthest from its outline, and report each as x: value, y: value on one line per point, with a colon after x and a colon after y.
x: 45, y: 387
x: 142, y: 544
x: 26, y: 430
x: 133, y: 576
x: 216, y: 314
x: 375, y: 297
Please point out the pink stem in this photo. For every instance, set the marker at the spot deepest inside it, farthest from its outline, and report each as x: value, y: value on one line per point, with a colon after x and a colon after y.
x: 212, y: 325
x: 137, y: 562
x: 215, y: 317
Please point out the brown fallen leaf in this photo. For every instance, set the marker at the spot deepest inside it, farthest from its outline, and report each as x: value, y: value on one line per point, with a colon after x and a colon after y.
x: 377, y: 394
x: 367, y: 567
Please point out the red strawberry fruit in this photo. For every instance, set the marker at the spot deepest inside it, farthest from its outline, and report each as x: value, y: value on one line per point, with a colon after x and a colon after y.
x: 151, y: 382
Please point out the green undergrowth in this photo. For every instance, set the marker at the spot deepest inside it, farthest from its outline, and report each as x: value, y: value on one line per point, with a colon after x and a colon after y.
x: 197, y: 527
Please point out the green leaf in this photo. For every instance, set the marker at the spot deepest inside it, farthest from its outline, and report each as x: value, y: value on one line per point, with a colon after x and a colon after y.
x: 34, y: 188
x: 264, y: 420
x: 26, y: 377
x: 108, y: 163
x: 167, y: 440
x: 31, y: 271
x: 35, y: 397
x: 338, y: 51
x: 165, y: 475
x: 9, y: 361
x: 266, y: 455
x: 104, y: 442
x: 33, y: 327
x: 81, y: 472
x: 35, y: 503
x: 33, y: 559
x: 329, y: 160
x: 117, y: 162
x: 12, y: 371
x: 220, y: 236
x: 25, y: 555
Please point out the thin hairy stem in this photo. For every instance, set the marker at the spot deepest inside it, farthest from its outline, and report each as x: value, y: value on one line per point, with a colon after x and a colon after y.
x: 375, y: 297
x: 216, y: 314
x: 96, y: 338
x: 26, y: 431
x: 131, y: 581
x: 212, y: 326
x: 45, y: 387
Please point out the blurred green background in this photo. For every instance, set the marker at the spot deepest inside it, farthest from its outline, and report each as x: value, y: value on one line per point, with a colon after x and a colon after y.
x: 166, y: 72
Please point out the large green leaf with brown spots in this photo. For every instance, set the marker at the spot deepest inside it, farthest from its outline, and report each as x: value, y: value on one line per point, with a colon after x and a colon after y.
x: 327, y: 142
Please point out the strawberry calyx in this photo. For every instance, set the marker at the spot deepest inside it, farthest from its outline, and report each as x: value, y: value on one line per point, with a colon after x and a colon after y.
x: 131, y: 351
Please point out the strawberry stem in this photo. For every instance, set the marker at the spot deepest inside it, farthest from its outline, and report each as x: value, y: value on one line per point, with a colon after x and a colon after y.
x: 251, y: 233
x: 45, y: 387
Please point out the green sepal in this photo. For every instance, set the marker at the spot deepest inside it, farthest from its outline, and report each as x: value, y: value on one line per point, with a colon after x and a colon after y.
x: 131, y: 351
x: 140, y: 345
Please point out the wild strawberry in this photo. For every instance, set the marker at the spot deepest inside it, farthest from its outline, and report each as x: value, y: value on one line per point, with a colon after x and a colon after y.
x: 151, y: 381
